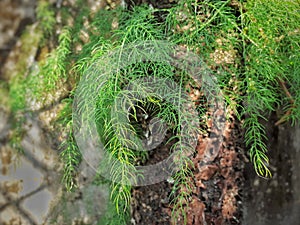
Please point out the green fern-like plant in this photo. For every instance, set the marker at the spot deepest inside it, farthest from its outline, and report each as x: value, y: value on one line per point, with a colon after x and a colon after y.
x: 271, y: 64
x: 203, y: 27
x: 251, y: 47
x: 70, y: 153
x: 46, y: 16
x: 54, y: 68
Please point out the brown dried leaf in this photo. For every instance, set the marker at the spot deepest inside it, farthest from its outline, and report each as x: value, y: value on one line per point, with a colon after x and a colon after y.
x: 228, y: 158
x: 195, y: 213
x: 206, y: 172
x: 229, y: 204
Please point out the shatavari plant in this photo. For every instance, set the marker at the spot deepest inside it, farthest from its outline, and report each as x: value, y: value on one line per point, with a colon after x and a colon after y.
x: 251, y: 48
